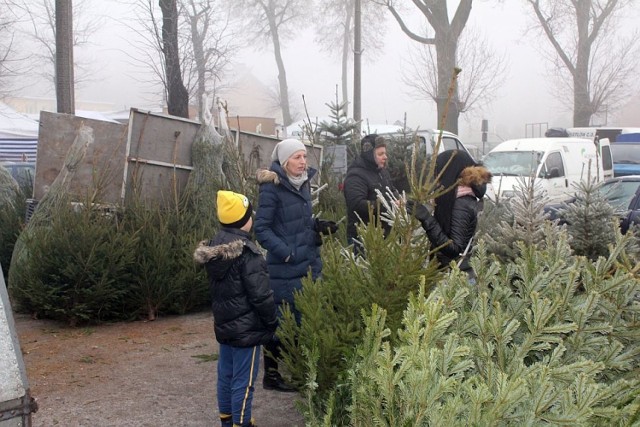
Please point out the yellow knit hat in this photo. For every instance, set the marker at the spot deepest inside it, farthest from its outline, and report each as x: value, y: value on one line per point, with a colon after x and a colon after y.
x: 234, y: 210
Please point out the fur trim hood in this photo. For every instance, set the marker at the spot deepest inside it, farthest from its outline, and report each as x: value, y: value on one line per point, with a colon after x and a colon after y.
x: 225, y: 251
x: 263, y: 176
x: 276, y: 174
x: 475, y: 176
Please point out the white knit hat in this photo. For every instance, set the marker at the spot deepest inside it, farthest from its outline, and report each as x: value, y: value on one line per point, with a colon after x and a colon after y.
x: 285, y: 148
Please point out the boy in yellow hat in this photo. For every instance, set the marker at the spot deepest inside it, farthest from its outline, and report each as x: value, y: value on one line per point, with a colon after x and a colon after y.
x: 244, y: 312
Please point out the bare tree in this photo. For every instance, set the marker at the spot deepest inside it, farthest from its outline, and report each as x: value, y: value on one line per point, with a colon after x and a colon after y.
x: 213, y: 44
x: 445, y: 39
x: 41, y: 16
x: 593, y: 65
x: 274, y: 20
x: 334, y: 33
x: 8, y: 55
x: 484, y: 71
x: 206, y: 43
x: 177, y: 95
x: 274, y: 102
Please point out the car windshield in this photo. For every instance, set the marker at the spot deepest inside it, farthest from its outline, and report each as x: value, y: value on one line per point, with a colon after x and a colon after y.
x: 514, y: 163
x: 619, y: 193
x: 626, y: 153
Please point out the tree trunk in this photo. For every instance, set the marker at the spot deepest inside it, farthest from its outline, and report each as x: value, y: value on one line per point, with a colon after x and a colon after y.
x: 65, y: 94
x: 177, y: 95
x: 581, y: 97
x: 197, y: 39
x: 282, y: 73
x: 346, y: 52
x: 357, y: 66
x: 447, y: 33
x: 447, y: 94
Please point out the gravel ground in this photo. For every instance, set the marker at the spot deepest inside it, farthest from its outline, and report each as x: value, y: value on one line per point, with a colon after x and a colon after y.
x: 156, y: 373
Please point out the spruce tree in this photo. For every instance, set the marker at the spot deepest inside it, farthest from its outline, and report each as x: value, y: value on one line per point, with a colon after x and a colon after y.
x: 408, y: 162
x: 331, y: 308
x: 505, y: 222
x: 549, y: 338
x: 12, y: 202
x: 340, y: 130
x: 78, y: 268
x: 590, y: 220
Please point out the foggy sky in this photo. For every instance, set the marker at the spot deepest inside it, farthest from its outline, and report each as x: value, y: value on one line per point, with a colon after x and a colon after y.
x: 524, y: 98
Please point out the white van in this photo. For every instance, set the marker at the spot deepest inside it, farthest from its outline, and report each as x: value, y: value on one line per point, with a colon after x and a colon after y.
x: 556, y: 163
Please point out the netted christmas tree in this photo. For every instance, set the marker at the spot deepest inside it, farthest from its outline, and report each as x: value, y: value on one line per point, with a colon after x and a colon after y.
x: 11, y: 199
x: 217, y: 164
x: 8, y: 187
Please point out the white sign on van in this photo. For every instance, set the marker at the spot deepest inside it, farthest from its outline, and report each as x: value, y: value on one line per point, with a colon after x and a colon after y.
x: 589, y: 133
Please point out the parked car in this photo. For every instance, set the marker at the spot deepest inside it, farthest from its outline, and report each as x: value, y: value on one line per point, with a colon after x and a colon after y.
x: 622, y: 193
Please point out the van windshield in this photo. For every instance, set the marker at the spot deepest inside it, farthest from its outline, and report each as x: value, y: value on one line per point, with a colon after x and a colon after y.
x: 626, y: 153
x: 513, y: 163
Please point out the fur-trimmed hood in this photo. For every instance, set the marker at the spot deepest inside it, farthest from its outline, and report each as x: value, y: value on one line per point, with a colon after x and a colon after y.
x: 225, y: 251
x: 220, y: 253
x: 264, y: 176
x: 276, y: 174
x: 474, y: 176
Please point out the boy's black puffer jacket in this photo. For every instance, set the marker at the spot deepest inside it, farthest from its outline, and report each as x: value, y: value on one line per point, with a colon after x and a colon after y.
x: 242, y: 302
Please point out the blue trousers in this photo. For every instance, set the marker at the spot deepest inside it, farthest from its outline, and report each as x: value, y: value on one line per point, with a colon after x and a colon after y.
x: 237, y: 372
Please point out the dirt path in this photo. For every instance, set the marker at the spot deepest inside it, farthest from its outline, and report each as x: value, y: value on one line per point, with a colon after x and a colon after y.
x: 156, y: 373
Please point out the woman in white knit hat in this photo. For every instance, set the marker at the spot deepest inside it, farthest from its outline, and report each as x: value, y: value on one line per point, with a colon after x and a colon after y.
x: 286, y: 228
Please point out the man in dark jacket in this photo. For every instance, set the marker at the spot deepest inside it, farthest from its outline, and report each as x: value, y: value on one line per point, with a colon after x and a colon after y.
x: 366, y: 177
x: 243, y: 308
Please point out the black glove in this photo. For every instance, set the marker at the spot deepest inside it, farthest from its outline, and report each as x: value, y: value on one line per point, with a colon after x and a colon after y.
x: 418, y: 210
x: 324, y: 226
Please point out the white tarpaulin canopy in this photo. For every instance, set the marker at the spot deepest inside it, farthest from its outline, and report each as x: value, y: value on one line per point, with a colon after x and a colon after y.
x: 18, y: 135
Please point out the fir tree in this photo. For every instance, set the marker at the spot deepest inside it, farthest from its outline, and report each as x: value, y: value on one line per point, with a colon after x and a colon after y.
x: 12, y: 209
x: 549, y: 338
x: 590, y: 220
x: 78, y: 269
x: 505, y: 222
x: 408, y: 164
x: 331, y: 308
x: 340, y: 130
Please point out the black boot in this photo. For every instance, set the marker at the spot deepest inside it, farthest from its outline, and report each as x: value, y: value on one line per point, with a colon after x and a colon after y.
x: 272, y: 379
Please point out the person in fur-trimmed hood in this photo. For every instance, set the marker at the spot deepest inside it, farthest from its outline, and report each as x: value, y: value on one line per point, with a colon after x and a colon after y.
x: 285, y: 227
x: 455, y: 216
x: 244, y: 312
